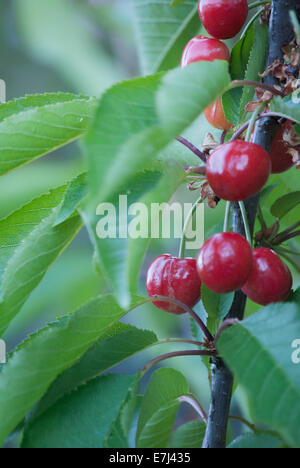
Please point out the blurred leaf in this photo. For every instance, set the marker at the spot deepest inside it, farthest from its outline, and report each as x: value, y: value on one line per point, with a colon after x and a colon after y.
x: 286, y: 108
x: 177, y: 2
x: 57, y: 34
x: 259, y: 352
x: 112, y: 253
x: 163, y: 32
x: 256, y: 441
x: 159, y: 408
x: 83, y: 418
x: 41, y: 125
x: 40, y: 359
x: 189, y: 435
x: 75, y: 193
x: 296, y: 24
x: 117, y: 344
x: 29, y: 246
x: 161, y: 193
x: 217, y: 306
x: 283, y: 205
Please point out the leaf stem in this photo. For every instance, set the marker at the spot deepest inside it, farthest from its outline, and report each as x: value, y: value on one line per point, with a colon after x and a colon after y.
x: 192, y: 147
x: 246, y: 222
x: 192, y: 401
x: 186, y: 225
x: 163, y: 357
x: 257, y: 84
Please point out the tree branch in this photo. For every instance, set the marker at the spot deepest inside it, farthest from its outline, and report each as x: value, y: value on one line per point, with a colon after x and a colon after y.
x: 281, y: 33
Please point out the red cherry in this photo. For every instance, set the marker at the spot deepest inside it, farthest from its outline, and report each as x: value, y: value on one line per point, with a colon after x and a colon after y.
x: 223, y: 19
x: 202, y: 48
x: 225, y: 262
x: 270, y: 279
x: 281, y: 159
x: 238, y: 170
x: 216, y: 117
x: 175, y: 278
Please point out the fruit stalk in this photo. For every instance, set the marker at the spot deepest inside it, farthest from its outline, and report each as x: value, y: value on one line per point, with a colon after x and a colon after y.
x: 280, y: 33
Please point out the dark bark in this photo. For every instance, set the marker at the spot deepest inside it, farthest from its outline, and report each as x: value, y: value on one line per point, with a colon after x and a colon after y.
x: 280, y: 34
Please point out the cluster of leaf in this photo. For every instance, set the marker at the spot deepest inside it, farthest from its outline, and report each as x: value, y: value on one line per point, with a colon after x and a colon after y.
x: 56, y: 388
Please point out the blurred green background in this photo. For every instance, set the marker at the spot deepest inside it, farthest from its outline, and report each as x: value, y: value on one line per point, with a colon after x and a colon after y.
x: 83, y: 46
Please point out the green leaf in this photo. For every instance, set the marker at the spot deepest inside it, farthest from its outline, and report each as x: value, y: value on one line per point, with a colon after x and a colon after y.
x: 256, y: 441
x: 296, y: 24
x: 177, y: 2
x: 45, y: 355
x: 256, y: 64
x: 287, y: 107
x: 82, y: 419
x: 259, y: 352
x: 285, y: 204
x: 240, y: 57
x: 163, y: 32
x: 159, y: 408
x: 189, y: 435
x: 29, y: 246
x: 117, y: 344
x: 33, y: 126
x: 217, y: 307
x: 75, y: 193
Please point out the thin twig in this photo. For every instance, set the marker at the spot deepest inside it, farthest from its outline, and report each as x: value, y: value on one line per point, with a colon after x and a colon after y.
x: 192, y: 401
x: 187, y: 309
x: 257, y: 84
x: 163, y: 357
x: 192, y: 147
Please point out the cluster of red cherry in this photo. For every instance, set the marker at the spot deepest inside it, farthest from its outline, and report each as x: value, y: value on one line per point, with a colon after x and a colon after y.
x: 236, y: 171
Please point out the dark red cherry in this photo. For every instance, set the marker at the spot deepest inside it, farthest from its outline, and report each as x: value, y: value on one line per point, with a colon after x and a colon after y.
x: 202, y: 48
x: 223, y: 19
x: 238, y: 170
x: 225, y: 262
x: 281, y: 158
x: 270, y: 279
x: 175, y: 278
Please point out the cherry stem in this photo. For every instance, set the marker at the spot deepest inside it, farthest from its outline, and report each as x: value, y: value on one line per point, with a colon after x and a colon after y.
x: 192, y: 401
x: 187, y: 309
x: 246, y: 222
x: 227, y: 215
x: 180, y: 340
x: 187, y: 222
x: 223, y: 136
x: 254, y: 18
x: 253, y: 121
x: 244, y: 127
x: 192, y: 147
x: 163, y: 357
x: 257, y: 84
x: 258, y: 3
